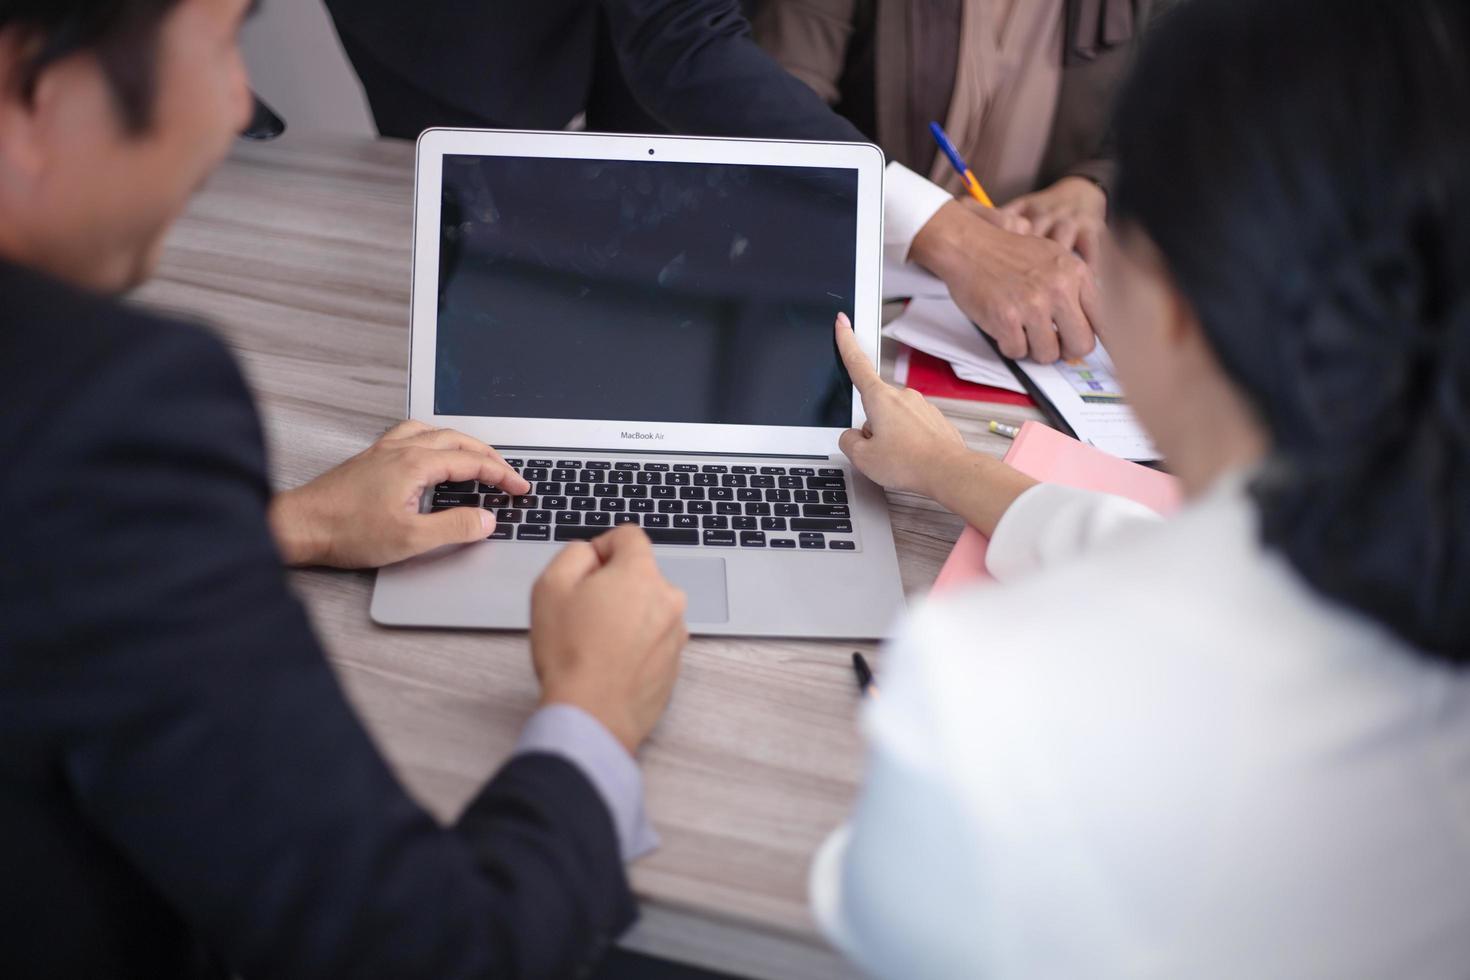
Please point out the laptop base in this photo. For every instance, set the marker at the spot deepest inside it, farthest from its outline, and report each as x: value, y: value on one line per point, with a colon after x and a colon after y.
x: 813, y: 595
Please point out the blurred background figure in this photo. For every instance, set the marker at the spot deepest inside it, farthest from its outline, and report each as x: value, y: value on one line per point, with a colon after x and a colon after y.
x: 1023, y: 87
x: 692, y: 67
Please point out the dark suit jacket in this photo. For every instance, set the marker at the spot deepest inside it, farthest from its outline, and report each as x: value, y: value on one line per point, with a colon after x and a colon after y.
x: 183, y: 789
x: 684, y: 66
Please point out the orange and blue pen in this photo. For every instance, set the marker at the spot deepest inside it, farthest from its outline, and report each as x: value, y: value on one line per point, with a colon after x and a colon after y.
x: 972, y: 183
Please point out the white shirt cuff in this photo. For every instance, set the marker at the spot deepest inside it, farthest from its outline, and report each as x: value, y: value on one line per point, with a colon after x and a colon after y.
x: 909, y: 201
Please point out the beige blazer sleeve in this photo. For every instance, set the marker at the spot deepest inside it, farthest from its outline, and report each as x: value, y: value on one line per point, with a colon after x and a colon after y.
x: 808, y: 38
x: 1102, y: 42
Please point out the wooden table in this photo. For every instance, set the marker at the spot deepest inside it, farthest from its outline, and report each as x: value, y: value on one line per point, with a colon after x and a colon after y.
x: 299, y: 253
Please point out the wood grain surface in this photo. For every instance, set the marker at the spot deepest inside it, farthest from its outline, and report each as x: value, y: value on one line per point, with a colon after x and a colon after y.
x: 298, y: 253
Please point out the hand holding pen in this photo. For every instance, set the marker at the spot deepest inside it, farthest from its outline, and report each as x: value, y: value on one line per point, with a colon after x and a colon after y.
x: 1035, y: 299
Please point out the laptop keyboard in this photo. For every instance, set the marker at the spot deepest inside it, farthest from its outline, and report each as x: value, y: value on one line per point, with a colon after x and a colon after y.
x: 711, y: 505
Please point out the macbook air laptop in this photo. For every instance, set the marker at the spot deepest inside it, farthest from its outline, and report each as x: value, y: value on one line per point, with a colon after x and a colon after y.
x: 643, y: 326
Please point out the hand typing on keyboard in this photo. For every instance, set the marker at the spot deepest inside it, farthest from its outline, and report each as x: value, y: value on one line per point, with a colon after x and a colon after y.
x: 365, y: 513
x: 682, y: 503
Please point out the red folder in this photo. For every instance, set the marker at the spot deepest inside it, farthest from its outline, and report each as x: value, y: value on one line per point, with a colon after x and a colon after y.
x: 930, y: 376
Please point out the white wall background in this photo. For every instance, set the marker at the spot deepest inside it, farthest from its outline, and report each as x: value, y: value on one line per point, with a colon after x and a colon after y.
x: 297, y: 65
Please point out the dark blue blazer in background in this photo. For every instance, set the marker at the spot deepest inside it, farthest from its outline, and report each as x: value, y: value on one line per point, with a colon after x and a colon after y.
x: 184, y: 791
x: 677, y: 66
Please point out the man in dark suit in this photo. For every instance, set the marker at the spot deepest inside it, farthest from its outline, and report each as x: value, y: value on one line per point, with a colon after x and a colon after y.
x: 184, y: 792
x: 692, y: 67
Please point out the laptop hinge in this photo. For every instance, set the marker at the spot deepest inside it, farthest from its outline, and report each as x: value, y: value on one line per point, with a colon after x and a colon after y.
x: 573, y: 450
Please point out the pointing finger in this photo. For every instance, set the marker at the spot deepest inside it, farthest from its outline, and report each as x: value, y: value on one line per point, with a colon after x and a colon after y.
x: 859, y: 367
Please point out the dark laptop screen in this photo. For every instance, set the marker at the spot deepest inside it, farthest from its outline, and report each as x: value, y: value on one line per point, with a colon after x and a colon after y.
x: 644, y: 291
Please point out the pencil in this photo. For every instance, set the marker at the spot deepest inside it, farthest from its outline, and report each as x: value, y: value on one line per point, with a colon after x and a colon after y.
x: 972, y: 183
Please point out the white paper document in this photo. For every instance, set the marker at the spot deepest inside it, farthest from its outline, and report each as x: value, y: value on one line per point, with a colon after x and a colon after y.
x: 1086, y: 393
x: 937, y: 327
x: 908, y: 280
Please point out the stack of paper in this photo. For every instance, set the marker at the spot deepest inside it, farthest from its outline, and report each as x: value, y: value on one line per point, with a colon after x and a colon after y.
x: 908, y: 281
x: 1085, y: 393
x: 1088, y: 396
x: 938, y: 328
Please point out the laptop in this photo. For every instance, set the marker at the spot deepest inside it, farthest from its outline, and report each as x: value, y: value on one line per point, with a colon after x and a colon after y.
x: 643, y: 326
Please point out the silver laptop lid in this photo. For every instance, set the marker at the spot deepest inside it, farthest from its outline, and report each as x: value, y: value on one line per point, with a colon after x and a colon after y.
x: 627, y: 292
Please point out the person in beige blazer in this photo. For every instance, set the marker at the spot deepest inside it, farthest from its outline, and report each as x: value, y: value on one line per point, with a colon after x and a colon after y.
x: 1024, y: 88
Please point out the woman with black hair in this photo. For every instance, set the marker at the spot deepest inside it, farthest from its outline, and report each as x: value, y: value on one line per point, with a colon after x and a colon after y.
x: 1236, y: 743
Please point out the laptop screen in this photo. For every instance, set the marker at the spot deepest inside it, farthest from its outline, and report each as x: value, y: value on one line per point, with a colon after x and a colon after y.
x: 644, y: 291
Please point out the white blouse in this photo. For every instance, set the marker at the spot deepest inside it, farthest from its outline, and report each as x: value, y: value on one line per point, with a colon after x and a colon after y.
x: 1152, y: 751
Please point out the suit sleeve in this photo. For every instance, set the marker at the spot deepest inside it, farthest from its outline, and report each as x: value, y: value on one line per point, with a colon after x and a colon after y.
x: 694, y: 66
x: 211, y: 744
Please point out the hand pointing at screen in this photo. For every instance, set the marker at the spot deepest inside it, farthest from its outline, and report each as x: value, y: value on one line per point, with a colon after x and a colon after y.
x: 907, y: 444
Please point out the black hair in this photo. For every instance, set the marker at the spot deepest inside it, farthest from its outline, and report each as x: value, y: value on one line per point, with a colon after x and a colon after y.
x: 1304, y: 168
x: 122, y: 33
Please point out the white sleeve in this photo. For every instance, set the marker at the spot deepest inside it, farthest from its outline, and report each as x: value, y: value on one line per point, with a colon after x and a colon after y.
x: 1051, y: 523
x: 909, y: 201
x: 906, y: 884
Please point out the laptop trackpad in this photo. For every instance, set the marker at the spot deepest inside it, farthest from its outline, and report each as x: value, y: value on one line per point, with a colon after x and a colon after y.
x: 703, y: 581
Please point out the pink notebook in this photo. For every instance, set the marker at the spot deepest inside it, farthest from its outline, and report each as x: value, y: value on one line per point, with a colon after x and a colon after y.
x: 1047, y: 455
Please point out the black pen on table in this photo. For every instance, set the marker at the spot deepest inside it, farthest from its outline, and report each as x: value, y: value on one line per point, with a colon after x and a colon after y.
x: 864, y: 675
